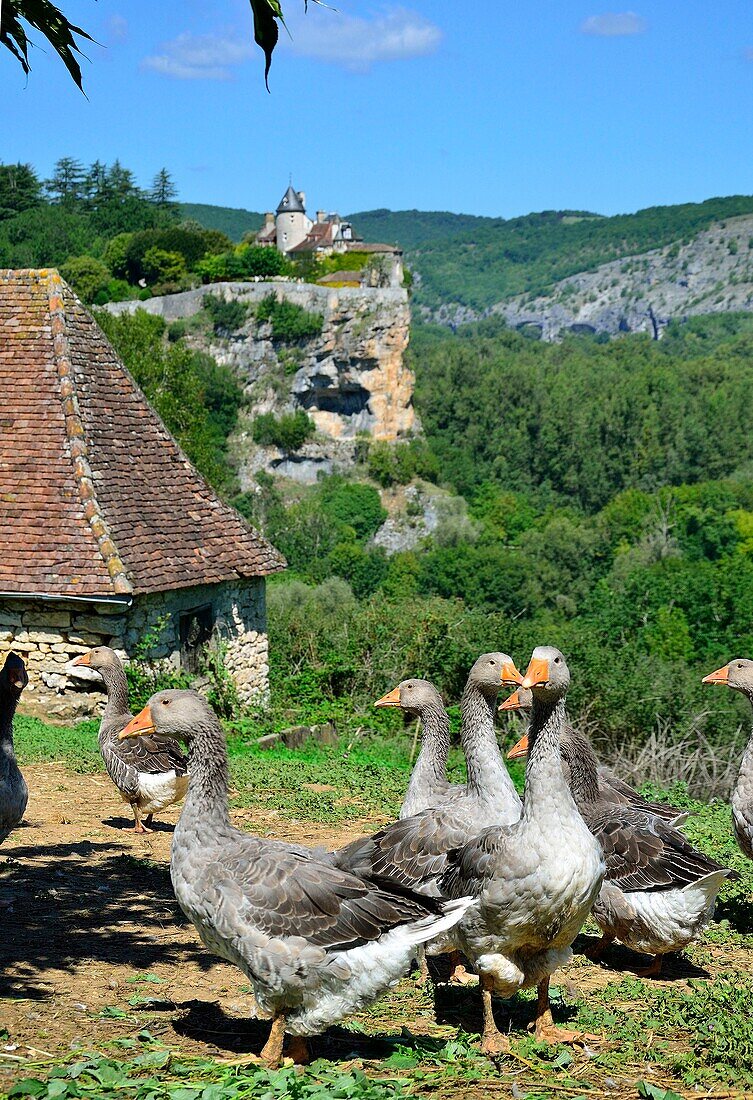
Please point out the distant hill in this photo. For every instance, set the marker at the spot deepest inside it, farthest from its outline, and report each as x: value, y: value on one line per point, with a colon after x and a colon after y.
x: 476, y: 262
x: 234, y: 222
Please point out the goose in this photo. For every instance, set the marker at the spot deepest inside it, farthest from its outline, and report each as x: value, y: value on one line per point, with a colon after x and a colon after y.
x: 429, y: 786
x: 534, y: 881
x: 738, y: 675
x: 316, y: 943
x: 413, y: 851
x: 150, y: 773
x: 611, y: 788
x: 659, y: 892
x: 14, y: 794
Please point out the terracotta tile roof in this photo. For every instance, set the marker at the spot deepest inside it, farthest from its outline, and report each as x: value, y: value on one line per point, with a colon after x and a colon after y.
x: 372, y: 246
x: 321, y: 235
x: 96, y: 497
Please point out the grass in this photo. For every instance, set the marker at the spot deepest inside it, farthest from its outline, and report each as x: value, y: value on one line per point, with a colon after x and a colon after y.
x: 687, y: 1037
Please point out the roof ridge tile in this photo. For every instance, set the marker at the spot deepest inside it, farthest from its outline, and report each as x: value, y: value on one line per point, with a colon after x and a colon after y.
x: 76, y: 435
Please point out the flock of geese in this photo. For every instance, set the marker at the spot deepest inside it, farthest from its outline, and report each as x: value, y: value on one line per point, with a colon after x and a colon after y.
x: 501, y: 883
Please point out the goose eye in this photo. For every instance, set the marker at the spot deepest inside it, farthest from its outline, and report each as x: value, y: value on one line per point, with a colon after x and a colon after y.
x: 557, y: 660
x: 165, y: 702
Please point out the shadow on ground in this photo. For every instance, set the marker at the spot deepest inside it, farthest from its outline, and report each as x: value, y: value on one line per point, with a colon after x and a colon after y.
x: 83, y: 902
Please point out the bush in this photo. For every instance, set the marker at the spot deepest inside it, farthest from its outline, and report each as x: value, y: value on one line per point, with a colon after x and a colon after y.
x: 355, y: 504
x: 247, y: 261
x: 291, y: 324
x: 398, y: 463
x: 87, y: 276
x: 289, y: 432
x: 160, y: 266
x: 228, y: 314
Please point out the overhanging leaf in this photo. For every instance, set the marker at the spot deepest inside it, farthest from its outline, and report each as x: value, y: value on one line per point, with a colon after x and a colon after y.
x: 266, y: 31
x: 51, y: 22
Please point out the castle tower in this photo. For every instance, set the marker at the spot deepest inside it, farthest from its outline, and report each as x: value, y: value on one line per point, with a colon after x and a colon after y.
x: 292, y: 224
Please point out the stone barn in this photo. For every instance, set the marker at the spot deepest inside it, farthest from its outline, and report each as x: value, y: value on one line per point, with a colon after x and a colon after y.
x: 107, y: 532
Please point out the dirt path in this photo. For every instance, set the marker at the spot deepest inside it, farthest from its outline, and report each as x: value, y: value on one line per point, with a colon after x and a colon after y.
x: 87, y: 909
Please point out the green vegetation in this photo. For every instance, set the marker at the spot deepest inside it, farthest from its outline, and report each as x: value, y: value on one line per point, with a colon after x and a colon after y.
x: 288, y: 432
x: 245, y: 261
x: 198, y: 399
x: 228, y: 314
x: 477, y: 261
x: 291, y: 323
x: 234, y: 223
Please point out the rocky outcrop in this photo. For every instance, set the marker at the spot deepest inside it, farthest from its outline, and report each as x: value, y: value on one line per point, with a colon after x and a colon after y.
x: 350, y: 379
x: 712, y: 273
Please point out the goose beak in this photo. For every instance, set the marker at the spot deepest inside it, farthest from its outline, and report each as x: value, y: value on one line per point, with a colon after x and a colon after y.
x: 537, y: 673
x: 513, y: 703
x: 509, y: 674
x: 721, y: 676
x: 142, y: 723
x: 391, y: 699
x: 519, y: 749
x: 82, y: 660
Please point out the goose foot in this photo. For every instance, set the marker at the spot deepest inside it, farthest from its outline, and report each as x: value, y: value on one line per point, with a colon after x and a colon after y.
x: 423, y: 967
x: 148, y: 821
x: 546, y: 1031
x: 298, y: 1050
x: 493, y: 1042
x: 271, y: 1052
x: 652, y: 971
x: 459, y: 974
x: 594, y: 953
x: 139, y: 826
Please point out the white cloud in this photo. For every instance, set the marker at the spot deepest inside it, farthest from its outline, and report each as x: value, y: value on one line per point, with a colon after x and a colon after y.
x: 613, y: 24
x: 395, y: 34
x: 117, y: 27
x: 200, y: 56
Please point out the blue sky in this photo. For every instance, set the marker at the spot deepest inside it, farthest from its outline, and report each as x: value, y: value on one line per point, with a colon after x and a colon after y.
x: 492, y: 108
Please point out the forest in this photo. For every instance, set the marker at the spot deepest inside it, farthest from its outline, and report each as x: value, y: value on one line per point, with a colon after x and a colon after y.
x: 601, y: 497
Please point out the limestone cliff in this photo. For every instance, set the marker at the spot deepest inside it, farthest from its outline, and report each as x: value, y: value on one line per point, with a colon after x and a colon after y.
x: 350, y: 379
x: 711, y: 273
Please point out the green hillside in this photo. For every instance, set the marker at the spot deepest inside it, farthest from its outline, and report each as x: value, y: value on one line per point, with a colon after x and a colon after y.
x: 227, y: 219
x: 478, y: 261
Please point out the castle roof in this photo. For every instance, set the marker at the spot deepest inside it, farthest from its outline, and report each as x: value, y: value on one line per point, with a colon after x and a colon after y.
x: 291, y: 202
x: 96, y: 497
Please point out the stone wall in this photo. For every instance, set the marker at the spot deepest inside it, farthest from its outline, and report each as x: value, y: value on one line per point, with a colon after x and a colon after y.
x: 48, y: 634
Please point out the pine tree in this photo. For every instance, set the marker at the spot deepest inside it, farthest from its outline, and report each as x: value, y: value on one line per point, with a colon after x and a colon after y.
x: 121, y: 183
x: 95, y: 186
x: 19, y: 189
x: 67, y: 183
x: 163, y: 192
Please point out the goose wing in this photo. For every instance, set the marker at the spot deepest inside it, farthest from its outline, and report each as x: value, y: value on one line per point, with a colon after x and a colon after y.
x: 152, y: 755
x: 615, y: 790
x: 642, y: 852
x: 284, y: 892
x: 470, y: 868
x: 410, y: 852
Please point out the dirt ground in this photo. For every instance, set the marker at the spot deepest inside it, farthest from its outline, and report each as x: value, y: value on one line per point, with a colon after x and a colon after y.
x: 86, y: 907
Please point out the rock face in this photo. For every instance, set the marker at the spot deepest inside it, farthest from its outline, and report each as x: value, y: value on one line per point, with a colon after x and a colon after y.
x: 352, y: 378
x: 712, y: 273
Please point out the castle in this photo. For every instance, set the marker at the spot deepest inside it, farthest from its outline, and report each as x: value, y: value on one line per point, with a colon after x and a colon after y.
x: 292, y: 232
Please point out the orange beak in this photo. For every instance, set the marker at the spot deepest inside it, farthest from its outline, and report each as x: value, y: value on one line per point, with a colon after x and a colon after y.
x: 509, y: 674
x: 519, y: 749
x: 391, y: 699
x: 513, y: 703
x: 142, y: 723
x: 721, y: 676
x: 82, y: 660
x: 537, y: 673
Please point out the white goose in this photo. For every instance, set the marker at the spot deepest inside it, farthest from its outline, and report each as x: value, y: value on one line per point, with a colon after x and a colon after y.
x: 14, y: 794
x: 429, y: 786
x: 738, y: 675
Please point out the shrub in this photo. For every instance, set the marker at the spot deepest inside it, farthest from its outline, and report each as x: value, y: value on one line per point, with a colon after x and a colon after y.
x: 244, y: 262
x: 228, y: 314
x: 87, y: 276
x: 355, y: 504
x: 290, y: 323
x: 160, y: 266
x: 398, y: 463
x: 288, y: 432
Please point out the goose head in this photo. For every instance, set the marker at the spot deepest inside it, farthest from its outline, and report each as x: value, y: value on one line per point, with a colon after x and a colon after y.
x: 491, y: 671
x: 738, y: 675
x: 412, y: 696
x: 14, y: 676
x: 101, y: 657
x: 521, y: 700
x: 177, y: 713
x: 547, y: 676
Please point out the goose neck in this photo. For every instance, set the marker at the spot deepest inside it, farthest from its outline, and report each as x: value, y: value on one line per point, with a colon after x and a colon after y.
x: 545, y: 782
x: 116, y: 686
x: 479, y: 740
x: 435, y: 743
x: 583, y: 769
x: 209, y: 775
